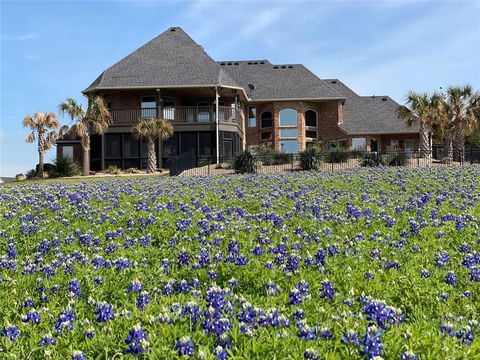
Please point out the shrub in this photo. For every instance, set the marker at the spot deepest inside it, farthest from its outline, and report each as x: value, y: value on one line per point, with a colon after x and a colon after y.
x: 371, y: 160
x: 398, y: 159
x: 113, y: 170
x: 245, y: 162
x: 338, y: 156
x: 310, y: 159
x: 64, y: 166
x: 47, y: 167
x: 31, y: 174
x: 132, y: 170
x: 270, y: 156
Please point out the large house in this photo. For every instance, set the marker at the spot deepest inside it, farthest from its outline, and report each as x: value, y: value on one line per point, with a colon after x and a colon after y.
x: 219, y: 108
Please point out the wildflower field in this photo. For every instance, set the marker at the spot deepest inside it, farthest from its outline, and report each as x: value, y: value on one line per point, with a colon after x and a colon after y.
x: 358, y: 264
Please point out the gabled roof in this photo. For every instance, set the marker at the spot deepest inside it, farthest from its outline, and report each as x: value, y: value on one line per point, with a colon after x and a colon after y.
x: 171, y: 59
x: 278, y: 82
x: 369, y: 114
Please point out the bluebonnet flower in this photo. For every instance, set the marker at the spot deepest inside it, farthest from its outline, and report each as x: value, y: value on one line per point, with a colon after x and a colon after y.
x: 326, y: 334
x: 306, y: 332
x: 475, y: 274
x: 408, y: 355
x: 369, y: 275
x: 444, y: 296
x: 104, y: 312
x: 32, y: 316
x: 442, y: 259
x: 295, y: 297
x: 350, y: 337
x: 185, y: 346
x: 98, y: 280
x: 451, y: 279
x: 137, y: 341
x: 135, y: 286
x: 327, y: 290
x: 220, y: 352
x: 381, y: 313
x: 65, y: 320
x: 74, y: 289
x: 371, y: 343
x: 272, y: 288
x: 183, y: 258
x: 143, y: 300
x: 48, y: 340
x: 11, y: 332
x: 310, y: 354
x: 90, y: 332
x: 447, y: 328
x: 78, y: 355
x: 425, y: 273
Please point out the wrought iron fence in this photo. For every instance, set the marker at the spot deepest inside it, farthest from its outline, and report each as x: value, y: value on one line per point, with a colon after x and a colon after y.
x: 188, y: 164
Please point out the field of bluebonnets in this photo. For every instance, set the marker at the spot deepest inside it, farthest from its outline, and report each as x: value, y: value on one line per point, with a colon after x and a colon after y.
x: 358, y: 264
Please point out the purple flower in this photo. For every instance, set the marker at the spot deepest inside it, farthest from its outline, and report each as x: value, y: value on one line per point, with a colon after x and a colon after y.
x: 371, y: 343
x: 327, y: 290
x: 310, y: 354
x: 451, y: 279
x: 48, y: 340
x: 185, y: 346
x: 74, y: 289
x: 408, y: 355
x: 135, y: 286
x: 78, y: 355
x: 32, y: 316
x: 143, y: 300
x: 11, y: 332
x: 475, y: 273
x: 104, y: 312
x: 137, y: 341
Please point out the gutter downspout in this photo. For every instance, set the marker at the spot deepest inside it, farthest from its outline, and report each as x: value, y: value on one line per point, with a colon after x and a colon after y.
x: 217, y: 130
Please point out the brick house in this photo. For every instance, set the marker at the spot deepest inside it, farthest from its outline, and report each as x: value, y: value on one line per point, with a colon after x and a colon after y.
x: 219, y: 108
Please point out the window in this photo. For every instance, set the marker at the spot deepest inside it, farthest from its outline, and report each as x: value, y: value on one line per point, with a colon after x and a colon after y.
x: 373, y: 145
x: 130, y: 146
x: 311, y: 134
x: 252, y: 116
x: 394, y: 145
x: 234, y: 111
x: 203, y: 112
x: 113, y: 145
x: 288, y: 117
x: 409, y: 146
x: 311, y: 118
x: 169, y: 108
x: 359, y: 143
x: 67, y: 151
x: 266, y: 135
x: 288, y: 133
x: 149, y: 107
x: 266, y: 119
x: 205, y: 144
x: 289, y: 146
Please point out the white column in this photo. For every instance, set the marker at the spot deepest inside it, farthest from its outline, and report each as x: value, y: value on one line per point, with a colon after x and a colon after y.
x: 217, y: 130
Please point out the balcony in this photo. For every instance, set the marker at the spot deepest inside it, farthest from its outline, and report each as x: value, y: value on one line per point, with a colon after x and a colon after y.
x: 181, y: 114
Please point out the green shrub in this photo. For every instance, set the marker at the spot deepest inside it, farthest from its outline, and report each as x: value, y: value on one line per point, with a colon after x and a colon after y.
x: 245, y: 162
x: 398, y: 159
x: 310, y: 159
x: 47, y: 167
x: 270, y: 156
x: 113, y: 170
x: 338, y: 155
x: 371, y: 160
x: 64, y: 166
x: 31, y: 174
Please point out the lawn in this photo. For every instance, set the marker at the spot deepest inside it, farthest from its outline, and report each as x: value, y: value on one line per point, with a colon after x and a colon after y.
x: 341, y: 265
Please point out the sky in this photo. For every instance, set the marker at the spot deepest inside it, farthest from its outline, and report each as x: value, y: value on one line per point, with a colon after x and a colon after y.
x: 54, y: 50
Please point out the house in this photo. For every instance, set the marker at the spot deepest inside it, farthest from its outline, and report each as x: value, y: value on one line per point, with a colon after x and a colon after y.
x: 219, y: 108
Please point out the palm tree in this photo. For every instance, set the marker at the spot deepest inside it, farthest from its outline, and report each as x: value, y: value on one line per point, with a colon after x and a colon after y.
x: 422, y: 109
x: 152, y: 129
x: 462, y: 105
x: 40, y: 124
x: 94, y: 120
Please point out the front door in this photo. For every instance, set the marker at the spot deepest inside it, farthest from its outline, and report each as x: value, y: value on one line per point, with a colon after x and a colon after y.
x: 227, y: 150
x: 374, y: 145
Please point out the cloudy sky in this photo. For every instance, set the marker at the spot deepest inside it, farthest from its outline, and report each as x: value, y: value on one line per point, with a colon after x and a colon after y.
x: 53, y: 50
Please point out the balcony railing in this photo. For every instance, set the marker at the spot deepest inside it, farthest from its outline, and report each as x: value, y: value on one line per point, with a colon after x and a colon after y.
x: 187, y: 114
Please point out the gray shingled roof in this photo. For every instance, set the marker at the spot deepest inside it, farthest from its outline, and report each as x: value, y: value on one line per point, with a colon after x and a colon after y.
x: 171, y: 59
x: 369, y: 114
x: 276, y: 82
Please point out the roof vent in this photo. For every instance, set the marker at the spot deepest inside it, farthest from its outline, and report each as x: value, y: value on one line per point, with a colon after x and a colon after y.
x: 384, y: 99
x: 223, y: 64
x: 172, y: 29
x: 249, y: 63
x: 229, y: 63
x: 262, y: 62
x: 275, y: 67
x: 290, y: 66
x: 255, y: 63
x: 235, y: 63
x: 333, y: 81
x: 284, y: 67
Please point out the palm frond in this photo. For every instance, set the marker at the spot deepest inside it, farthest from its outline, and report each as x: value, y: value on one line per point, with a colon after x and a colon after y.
x: 30, y: 122
x: 31, y: 137
x: 71, y: 108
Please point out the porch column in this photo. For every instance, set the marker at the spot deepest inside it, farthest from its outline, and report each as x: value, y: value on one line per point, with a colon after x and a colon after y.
x: 102, y: 156
x: 217, y: 130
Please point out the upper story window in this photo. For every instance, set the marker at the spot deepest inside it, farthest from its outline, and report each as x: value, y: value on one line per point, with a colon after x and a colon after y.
x: 148, y: 107
x: 266, y: 119
x: 310, y: 118
x: 252, y: 116
x: 288, y: 117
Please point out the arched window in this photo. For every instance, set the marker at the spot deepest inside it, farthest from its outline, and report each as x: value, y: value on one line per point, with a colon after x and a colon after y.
x: 310, y: 118
x: 288, y: 117
x: 266, y: 119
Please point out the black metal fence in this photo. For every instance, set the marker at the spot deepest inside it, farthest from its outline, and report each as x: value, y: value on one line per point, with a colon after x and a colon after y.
x: 189, y: 165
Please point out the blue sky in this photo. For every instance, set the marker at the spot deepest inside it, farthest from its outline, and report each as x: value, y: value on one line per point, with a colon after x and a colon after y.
x: 51, y: 50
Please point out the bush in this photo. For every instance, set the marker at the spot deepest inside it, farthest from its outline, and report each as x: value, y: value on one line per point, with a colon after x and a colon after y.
x: 398, y: 159
x: 31, y: 174
x: 269, y: 156
x: 339, y: 155
x: 47, y: 167
x: 245, y: 162
x: 310, y: 159
x: 371, y: 160
x: 113, y: 170
x: 64, y: 166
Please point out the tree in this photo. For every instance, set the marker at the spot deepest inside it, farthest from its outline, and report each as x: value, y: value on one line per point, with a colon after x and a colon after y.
x: 94, y: 120
x: 422, y: 109
x: 151, y: 130
x: 40, y: 124
x: 462, y: 105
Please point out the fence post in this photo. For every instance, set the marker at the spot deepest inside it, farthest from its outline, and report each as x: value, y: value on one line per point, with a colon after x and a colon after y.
x: 418, y: 159
x: 291, y: 162
x: 208, y: 166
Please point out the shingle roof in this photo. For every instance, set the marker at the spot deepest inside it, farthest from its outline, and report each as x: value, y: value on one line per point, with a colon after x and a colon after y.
x: 278, y: 82
x: 369, y: 114
x: 171, y: 59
